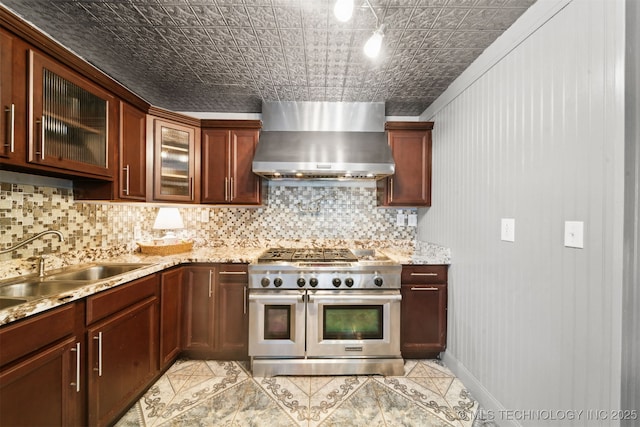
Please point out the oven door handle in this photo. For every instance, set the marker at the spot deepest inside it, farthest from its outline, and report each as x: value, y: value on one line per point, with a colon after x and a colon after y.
x: 269, y: 297
x: 368, y: 297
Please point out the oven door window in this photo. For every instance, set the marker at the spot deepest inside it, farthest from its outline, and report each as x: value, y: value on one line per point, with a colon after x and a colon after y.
x: 352, y: 322
x: 277, y: 322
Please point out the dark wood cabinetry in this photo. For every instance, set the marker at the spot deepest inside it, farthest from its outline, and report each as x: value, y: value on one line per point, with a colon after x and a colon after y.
x: 7, y: 104
x: 170, y: 315
x: 123, y: 347
x: 227, y: 154
x: 42, y: 378
x: 133, y: 153
x: 215, y: 318
x: 424, y: 311
x: 411, y: 184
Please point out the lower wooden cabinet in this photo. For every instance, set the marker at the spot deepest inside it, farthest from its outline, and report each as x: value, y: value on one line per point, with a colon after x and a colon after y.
x: 423, y: 327
x: 42, y: 380
x: 215, y: 315
x: 170, y: 316
x: 123, y: 347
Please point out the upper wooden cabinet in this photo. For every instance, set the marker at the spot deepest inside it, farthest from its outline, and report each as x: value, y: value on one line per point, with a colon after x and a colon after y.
x: 72, y: 122
x: 7, y: 103
x: 411, y: 184
x: 175, y: 168
x: 133, y: 154
x: 227, y: 153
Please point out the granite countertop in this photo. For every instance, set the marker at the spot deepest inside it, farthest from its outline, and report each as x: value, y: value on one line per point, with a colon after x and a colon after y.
x: 423, y: 254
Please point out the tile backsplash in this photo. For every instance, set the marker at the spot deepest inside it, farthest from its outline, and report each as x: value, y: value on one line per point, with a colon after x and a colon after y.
x: 292, y: 214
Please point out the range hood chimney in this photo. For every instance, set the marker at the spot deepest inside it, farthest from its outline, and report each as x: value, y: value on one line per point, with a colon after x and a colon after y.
x: 323, y: 141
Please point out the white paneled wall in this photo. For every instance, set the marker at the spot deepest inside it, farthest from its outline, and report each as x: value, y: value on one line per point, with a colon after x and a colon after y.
x: 537, y: 136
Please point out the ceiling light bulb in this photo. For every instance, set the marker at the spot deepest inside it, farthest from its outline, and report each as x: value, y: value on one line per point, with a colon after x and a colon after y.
x: 373, y: 45
x: 343, y: 10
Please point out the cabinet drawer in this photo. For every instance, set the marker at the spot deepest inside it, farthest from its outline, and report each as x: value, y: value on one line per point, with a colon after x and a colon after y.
x: 424, y: 274
x: 106, y: 303
x: 32, y: 334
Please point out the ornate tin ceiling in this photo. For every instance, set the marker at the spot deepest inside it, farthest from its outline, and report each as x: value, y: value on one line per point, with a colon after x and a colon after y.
x: 230, y: 55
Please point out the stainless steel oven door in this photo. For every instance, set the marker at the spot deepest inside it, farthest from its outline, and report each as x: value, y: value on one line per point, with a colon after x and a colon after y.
x: 353, y: 323
x: 276, y: 323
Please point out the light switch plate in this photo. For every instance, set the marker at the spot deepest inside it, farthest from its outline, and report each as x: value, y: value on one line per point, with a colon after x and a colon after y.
x: 574, y: 234
x: 412, y: 220
x: 508, y: 229
x: 400, y: 219
x: 204, y: 215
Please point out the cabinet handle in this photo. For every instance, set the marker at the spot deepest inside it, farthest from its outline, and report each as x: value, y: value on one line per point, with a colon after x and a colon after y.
x: 234, y: 272
x: 390, y: 189
x: 99, y: 368
x: 191, y: 188
x: 424, y: 289
x: 77, y: 383
x: 11, y: 128
x: 231, y: 190
x: 226, y: 189
x: 424, y: 274
x: 244, y: 300
x: 126, y: 180
x: 41, y: 153
x: 210, y: 276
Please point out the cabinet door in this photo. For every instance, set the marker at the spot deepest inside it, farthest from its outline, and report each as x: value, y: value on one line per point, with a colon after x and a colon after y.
x: 8, y: 117
x: 215, y: 164
x: 45, y: 389
x: 174, y: 162
x: 423, y: 320
x: 122, y: 360
x: 411, y: 183
x: 170, y: 315
x: 232, y: 317
x: 133, y: 155
x: 72, y: 122
x: 198, y: 309
x: 244, y: 184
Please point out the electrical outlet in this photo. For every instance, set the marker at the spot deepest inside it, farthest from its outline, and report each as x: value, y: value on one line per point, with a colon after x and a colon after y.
x: 204, y: 215
x: 412, y: 220
x: 574, y: 234
x: 137, y: 232
x: 508, y: 230
x: 400, y: 219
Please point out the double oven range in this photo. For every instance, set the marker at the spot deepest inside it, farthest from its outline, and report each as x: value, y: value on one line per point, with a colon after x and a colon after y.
x: 324, y: 312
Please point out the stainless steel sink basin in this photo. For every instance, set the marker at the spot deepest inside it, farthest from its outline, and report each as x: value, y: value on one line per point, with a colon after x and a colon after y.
x: 10, y: 302
x: 18, y: 291
x: 96, y: 272
x: 36, y: 288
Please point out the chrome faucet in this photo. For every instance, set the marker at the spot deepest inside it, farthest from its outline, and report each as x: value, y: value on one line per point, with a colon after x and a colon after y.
x: 31, y: 239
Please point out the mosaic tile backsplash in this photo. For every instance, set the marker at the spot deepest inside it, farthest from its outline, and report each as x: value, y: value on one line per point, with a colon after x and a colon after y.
x: 293, y: 214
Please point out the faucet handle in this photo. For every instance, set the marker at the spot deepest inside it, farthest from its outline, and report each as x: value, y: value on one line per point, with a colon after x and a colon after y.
x: 41, y: 265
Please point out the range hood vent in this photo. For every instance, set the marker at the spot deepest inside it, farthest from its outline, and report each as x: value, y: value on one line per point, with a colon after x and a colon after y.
x: 323, y: 141
x: 323, y: 155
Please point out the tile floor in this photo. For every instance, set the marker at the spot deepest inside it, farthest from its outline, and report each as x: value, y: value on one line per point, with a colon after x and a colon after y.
x: 221, y: 393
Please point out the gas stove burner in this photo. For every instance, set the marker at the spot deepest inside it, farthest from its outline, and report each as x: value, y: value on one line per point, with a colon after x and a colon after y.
x: 307, y: 255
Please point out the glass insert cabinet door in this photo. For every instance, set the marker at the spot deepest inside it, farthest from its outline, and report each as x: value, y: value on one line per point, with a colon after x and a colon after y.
x: 69, y: 119
x: 174, y: 162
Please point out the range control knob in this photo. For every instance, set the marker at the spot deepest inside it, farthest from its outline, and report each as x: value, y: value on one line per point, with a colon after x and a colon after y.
x: 378, y: 281
x: 313, y: 282
x: 348, y: 281
x: 300, y: 282
x: 265, y: 282
x: 336, y: 282
x: 277, y: 282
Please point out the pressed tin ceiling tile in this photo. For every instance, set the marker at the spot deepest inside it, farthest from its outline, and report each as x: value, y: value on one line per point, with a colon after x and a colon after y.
x: 231, y: 55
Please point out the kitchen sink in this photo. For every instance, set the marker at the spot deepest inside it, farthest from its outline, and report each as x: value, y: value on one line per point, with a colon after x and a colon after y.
x: 37, y: 288
x: 32, y: 287
x: 95, y: 272
x: 10, y: 302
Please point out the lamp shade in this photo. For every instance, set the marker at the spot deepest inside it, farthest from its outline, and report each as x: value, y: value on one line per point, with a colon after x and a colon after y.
x: 343, y: 10
x: 168, y: 219
x: 373, y: 45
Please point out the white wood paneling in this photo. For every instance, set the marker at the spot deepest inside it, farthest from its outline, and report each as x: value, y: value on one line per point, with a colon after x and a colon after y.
x: 539, y: 137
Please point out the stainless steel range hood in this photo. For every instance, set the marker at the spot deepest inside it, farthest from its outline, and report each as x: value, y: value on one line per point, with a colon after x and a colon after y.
x: 328, y: 140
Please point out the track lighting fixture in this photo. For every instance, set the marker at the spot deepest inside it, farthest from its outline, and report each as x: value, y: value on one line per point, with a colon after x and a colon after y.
x: 343, y: 10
